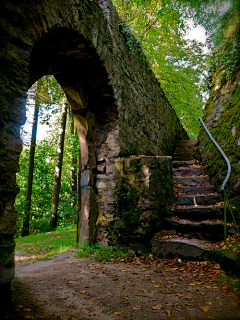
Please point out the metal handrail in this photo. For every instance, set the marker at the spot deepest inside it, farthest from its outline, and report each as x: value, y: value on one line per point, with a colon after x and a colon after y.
x: 223, y: 186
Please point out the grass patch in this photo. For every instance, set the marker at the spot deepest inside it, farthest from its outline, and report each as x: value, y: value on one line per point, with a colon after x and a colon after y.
x: 227, y: 281
x: 41, y: 246
x: 99, y: 253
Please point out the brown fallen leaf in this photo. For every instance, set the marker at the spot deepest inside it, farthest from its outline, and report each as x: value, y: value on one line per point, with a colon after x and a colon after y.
x: 157, y: 286
x: 117, y: 313
x: 157, y: 307
x: 204, y: 309
x: 82, y: 291
x: 168, y: 312
x: 209, y: 303
x: 137, y: 308
x: 27, y: 310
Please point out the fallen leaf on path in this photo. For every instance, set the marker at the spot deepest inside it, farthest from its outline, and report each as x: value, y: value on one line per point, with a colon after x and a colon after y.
x: 157, y: 286
x: 168, y: 312
x: 204, y: 309
x: 209, y: 303
x: 118, y: 313
x: 157, y: 307
x: 82, y: 291
x: 137, y: 308
x: 27, y: 310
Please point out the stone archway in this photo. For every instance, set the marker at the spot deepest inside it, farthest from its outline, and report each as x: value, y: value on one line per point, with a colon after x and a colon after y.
x: 119, y: 106
x: 76, y: 66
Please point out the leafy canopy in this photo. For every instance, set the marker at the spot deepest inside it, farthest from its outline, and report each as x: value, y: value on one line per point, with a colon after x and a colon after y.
x: 179, y: 64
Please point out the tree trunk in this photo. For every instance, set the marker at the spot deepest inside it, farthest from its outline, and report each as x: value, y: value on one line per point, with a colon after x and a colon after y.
x: 73, y: 172
x: 58, y: 168
x: 79, y: 194
x: 25, y: 229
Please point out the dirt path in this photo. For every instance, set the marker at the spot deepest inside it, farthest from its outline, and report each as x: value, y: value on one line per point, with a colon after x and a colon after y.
x: 67, y: 288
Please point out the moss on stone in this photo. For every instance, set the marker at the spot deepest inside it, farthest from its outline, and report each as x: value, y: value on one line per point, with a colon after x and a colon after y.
x: 222, y: 114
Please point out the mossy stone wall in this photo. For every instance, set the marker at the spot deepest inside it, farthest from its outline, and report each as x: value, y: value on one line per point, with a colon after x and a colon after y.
x: 222, y: 112
x: 134, y: 197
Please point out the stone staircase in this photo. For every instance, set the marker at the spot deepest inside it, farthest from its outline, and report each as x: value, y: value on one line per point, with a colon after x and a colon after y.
x: 197, y: 213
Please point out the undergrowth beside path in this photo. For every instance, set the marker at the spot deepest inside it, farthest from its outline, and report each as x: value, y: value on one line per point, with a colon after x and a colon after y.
x: 42, y: 246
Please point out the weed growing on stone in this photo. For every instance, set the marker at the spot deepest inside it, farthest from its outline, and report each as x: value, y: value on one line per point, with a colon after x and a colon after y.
x: 228, y: 281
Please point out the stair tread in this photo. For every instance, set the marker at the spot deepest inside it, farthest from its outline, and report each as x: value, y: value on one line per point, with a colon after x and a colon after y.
x: 203, y: 222
x: 197, y: 189
x: 197, y: 199
x: 198, y: 206
x: 201, y: 195
x: 186, y: 248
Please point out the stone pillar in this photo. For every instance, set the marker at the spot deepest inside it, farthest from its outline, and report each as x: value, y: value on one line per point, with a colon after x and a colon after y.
x: 134, y: 196
x: 88, y: 208
x: 10, y: 148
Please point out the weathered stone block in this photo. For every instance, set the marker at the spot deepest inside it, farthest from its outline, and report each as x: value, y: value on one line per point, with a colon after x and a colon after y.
x: 139, y: 200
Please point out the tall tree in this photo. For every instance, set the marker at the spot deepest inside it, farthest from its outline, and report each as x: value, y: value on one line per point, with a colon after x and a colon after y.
x: 74, y: 165
x: 25, y: 229
x: 58, y: 168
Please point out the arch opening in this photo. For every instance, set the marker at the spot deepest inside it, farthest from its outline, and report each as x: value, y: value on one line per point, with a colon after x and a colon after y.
x: 76, y: 66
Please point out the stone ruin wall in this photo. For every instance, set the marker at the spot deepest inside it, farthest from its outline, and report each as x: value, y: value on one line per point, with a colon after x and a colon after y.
x: 222, y: 112
x: 119, y: 106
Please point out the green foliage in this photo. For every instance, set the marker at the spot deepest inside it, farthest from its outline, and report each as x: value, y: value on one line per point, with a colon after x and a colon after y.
x: 44, y: 166
x: 43, y: 245
x: 99, y: 253
x: 226, y: 53
x: 180, y: 65
x: 231, y: 281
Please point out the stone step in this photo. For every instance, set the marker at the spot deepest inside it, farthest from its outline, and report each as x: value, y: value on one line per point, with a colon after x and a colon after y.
x: 198, y: 190
x: 180, y: 164
x: 198, y: 213
x: 204, y: 230
x: 189, y: 150
x: 191, y: 181
x: 184, y: 172
x: 187, y: 249
x: 183, y: 156
x: 182, y: 143
x: 197, y: 200
x: 184, y: 151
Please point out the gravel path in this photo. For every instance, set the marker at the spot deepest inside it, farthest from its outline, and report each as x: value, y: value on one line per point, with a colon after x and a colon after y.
x: 66, y: 288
